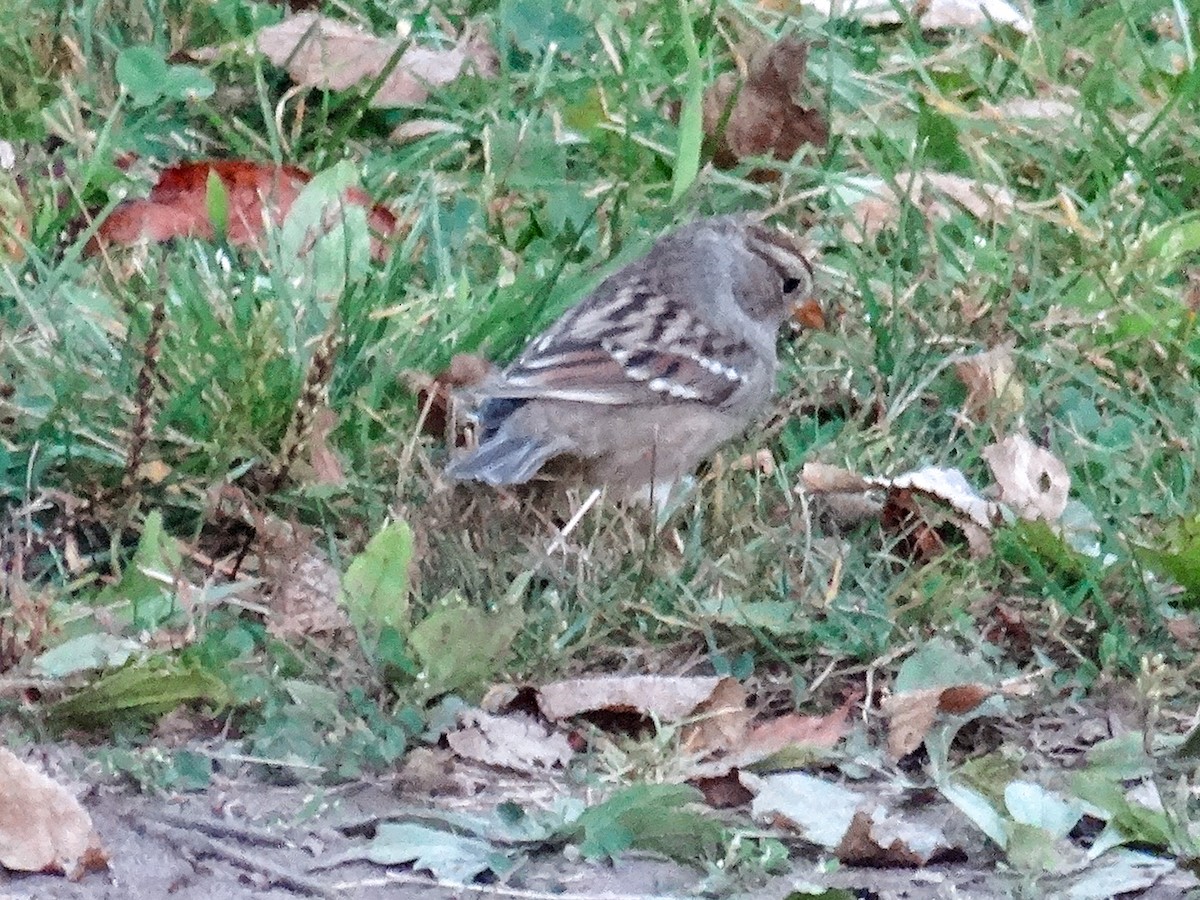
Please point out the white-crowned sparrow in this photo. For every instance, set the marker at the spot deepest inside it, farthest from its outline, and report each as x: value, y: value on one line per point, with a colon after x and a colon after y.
x: 663, y: 362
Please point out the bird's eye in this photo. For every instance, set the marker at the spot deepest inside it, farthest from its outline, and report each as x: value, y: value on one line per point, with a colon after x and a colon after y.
x: 790, y: 285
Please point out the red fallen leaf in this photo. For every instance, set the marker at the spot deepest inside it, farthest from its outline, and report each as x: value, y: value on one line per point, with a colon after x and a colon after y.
x: 257, y: 192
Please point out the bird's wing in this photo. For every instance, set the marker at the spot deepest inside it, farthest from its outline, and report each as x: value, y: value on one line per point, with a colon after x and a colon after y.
x: 625, y: 346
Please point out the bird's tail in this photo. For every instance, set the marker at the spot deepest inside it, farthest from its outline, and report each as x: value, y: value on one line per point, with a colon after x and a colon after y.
x: 503, y: 459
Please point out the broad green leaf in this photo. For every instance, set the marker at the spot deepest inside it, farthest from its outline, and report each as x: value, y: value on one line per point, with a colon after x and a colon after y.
x: 662, y: 818
x: 691, y: 116
x: 1177, y: 556
x: 449, y: 856
x: 533, y: 25
x: 375, y: 587
x: 95, y: 650
x: 1139, y: 823
x: 147, y: 583
x: 141, y: 71
x: 217, y: 201
x: 459, y: 645
x: 140, y: 690
x: 938, y: 664
x: 325, y: 243
x: 146, y: 75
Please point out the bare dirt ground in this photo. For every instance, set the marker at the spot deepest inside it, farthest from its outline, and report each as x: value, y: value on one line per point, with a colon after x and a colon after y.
x: 244, y: 838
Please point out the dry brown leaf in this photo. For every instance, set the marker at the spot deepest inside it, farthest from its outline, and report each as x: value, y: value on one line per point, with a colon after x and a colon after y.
x: 721, y: 721
x: 911, y: 714
x: 664, y: 697
x: 767, y: 115
x: 326, y: 465
x: 329, y: 54
x: 1032, y: 480
x: 43, y: 828
x: 822, y: 478
x: 821, y: 732
x: 993, y: 388
x: 514, y: 741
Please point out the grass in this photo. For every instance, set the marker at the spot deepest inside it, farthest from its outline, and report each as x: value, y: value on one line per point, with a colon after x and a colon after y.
x: 560, y: 169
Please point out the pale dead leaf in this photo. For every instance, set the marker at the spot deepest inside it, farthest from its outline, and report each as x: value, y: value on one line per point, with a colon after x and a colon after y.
x: 933, y: 14
x: 768, y: 115
x: 514, y: 741
x: 666, y: 698
x: 1033, y: 109
x: 985, y: 201
x: 43, y: 828
x: 329, y: 54
x: 879, y: 201
x: 816, y: 809
x: 992, y: 384
x: 1032, y: 480
x: 842, y: 488
x: 301, y: 586
x: 416, y: 129
x: 910, y: 716
x: 760, y: 461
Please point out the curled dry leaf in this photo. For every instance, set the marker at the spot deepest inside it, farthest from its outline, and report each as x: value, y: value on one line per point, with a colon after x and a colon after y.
x: 515, y: 741
x: 912, y: 713
x: 435, y: 396
x: 721, y: 721
x: 993, y: 388
x: 1032, y: 480
x: 932, y: 15
x: 43, y: 828
x: 967, y: 511
x: 325, y: 53
x: 767, y: 114
x: 664, y: 697
x: 766, y: 739
x: 258, y: 194
x: 876, y: 838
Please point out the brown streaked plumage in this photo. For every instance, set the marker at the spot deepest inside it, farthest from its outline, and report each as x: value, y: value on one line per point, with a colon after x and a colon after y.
x: 663, y: 362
